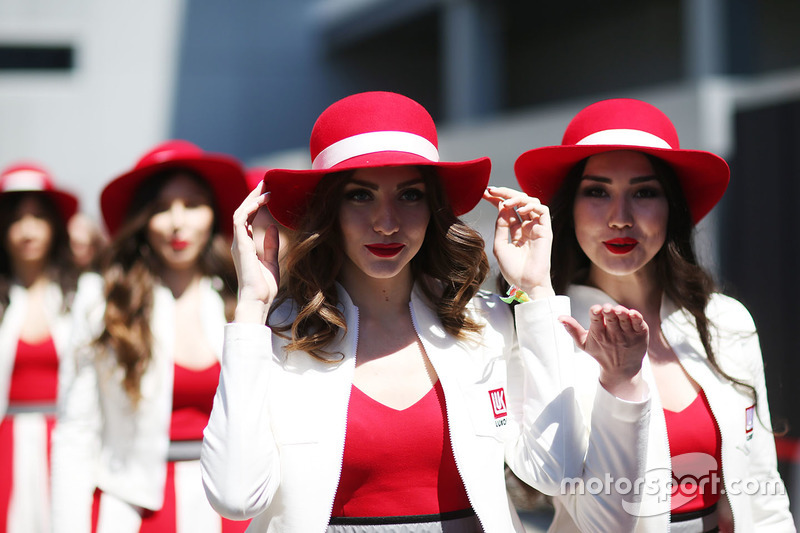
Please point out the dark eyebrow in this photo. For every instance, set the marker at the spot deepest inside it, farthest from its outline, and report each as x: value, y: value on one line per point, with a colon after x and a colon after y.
x: 410, y: 182
x: 595, y: 178
x: 634, y: 181
x: 366, y: 184
x: 374, y: 187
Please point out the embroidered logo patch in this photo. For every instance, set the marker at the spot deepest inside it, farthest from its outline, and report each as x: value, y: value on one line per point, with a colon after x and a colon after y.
x: 749, y: 417
x: 498, y: 397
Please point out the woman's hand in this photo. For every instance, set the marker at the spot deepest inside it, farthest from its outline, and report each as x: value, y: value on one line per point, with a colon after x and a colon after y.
x: 258, y: 278
x: 617, y: 339
x: 523, y: 239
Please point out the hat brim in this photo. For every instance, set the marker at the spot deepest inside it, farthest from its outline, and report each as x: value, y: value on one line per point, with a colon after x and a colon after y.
x: 223, y: 174
x: 66, y: 203
x: 290, y: 190
x: 703, y: 176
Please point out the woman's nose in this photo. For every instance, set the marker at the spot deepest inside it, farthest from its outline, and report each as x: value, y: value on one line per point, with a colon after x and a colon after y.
x: 385, y: 219
x: 620, y: 215
x: 177, y: 212
x: 28, y: 223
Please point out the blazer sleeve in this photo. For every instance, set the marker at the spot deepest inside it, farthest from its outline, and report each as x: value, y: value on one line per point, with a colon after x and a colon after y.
x: 76, y: 436
x: 606, y: 492
x: 558, y: 452
x: 550, y: 444
x: 770, y: 504
x: 239, y: 459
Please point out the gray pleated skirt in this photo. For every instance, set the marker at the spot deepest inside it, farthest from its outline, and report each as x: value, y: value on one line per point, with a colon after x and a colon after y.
x: 455, y: 522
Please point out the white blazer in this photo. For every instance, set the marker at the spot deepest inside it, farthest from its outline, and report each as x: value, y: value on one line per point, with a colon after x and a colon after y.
x: 11, y: 325
x: 748, y: 457
x: 101, y: 440
x: 274, y: 444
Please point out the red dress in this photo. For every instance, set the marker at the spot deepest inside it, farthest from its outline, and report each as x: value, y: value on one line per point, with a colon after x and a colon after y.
x: 695, y: 445
x: 25, y: 434
x: 398, y: 463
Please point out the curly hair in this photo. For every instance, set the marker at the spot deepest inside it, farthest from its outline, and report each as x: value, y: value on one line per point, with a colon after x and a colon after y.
x: 129, y: 271
x: 452, y: 261
x: 60, y: 267
x: 678, y: 271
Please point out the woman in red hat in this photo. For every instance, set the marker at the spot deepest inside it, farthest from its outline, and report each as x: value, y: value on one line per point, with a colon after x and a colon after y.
x: 378, y: 397
x: 625, y: 199
x: 37, y: 286
x: 147, y: 341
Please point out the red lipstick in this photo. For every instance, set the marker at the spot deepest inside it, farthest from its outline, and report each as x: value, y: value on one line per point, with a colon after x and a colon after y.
x: 385, y: 250
x: 621, y: 245
x: 178, y: 244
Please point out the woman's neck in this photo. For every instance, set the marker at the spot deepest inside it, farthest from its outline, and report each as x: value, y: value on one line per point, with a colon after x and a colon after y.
x: 638, y: 291
x: 178, y: 281
x: 31, y: 274
x: 378, y: 297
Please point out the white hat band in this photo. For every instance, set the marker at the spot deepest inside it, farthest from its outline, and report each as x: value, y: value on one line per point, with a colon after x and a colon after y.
x: 24, y: 180
x: 625, y: 137
x: 375, y: 141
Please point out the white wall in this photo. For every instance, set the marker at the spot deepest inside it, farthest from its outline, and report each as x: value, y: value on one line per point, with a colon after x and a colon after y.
x: 93, y: 122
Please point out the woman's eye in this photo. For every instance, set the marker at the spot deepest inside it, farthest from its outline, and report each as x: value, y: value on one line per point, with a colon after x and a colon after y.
x: 358, y: 195
x: 593, y: 192
x: 193, y: 204
x: 648, y: 192
x: 412, y: 195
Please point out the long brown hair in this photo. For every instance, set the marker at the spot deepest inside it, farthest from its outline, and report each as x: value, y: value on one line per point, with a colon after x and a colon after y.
x: 129, y: 271
x: 60, y: 267
x: 452, y: 259
x: 679, y: 273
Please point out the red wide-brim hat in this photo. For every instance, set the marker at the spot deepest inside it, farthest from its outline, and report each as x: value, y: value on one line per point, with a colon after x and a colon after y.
x: 624, y: 124
x: 370, y: 130
x: 254, y: 176
x: 27, y: 176
x: 223, y: 173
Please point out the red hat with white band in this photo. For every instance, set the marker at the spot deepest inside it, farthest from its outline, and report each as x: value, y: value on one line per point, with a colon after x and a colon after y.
x: 26, y: 177
x: 223, y: 173
x: 368, y: 130
x: 624, y: 124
